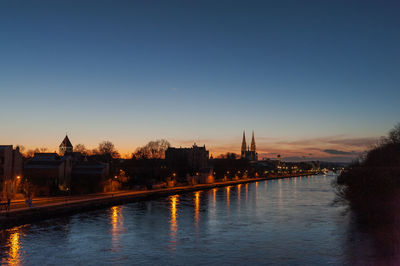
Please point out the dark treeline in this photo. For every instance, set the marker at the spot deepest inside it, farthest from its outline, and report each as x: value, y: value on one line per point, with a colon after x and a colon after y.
x: 370, y: 188
x: 371, y: 185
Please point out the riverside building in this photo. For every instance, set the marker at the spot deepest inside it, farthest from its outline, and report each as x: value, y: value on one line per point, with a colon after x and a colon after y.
x: 65, y: 172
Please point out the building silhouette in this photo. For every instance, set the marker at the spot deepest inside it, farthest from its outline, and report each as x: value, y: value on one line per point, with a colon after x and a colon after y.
x: 249, y: 153
x: 187, y: 160
x: 11, y: 161
x: 66, y: 146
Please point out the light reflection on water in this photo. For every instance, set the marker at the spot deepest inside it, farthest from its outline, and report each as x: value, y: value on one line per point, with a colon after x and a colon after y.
x: 196, y: 208
x: 174, y: 200
x: 238, y: 195
x: 13, y: 254
x: 288, y: 221
x: 117, y: 229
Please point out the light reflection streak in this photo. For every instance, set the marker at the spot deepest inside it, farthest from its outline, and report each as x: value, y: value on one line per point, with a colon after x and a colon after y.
x: 280, y: 193
x: 196, y: 208
x: 256, y: 191
x: 247, y: 190
x: 117, y: 223
x: 213, y: 208
x: 215, y: 198
x: 174, y: 200
x: 228, y: 189
x: 15, y: 248
x: 238, y: 193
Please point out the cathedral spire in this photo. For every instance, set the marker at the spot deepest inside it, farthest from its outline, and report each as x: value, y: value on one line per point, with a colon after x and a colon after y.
x: 244, y: 142
x: 244, y: 146
x: 253, y: 143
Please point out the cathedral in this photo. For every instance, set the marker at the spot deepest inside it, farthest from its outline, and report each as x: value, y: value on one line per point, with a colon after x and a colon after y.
x: 249, y: 153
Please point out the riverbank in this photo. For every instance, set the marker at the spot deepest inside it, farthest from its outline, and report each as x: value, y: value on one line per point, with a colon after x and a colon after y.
x: 26, y: 215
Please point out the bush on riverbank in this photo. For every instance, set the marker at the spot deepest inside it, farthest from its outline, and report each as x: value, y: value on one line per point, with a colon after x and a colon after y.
x: 371, y: 186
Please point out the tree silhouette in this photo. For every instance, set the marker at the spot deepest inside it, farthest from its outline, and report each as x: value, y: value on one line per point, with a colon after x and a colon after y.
x: 152, y: 150
x: 106, y: 148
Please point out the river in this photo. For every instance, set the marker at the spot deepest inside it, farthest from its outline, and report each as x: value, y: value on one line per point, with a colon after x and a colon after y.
x: 276, y: 222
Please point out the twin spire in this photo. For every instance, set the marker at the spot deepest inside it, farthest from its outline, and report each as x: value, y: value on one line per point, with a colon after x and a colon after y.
x: 253, y: 143
x: 249, y: 153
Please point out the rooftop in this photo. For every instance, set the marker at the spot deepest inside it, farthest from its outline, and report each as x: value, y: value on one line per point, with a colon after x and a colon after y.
x: 66, y: 142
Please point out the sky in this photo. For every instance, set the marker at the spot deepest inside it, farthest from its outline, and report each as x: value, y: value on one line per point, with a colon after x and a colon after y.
x: 313, y: 79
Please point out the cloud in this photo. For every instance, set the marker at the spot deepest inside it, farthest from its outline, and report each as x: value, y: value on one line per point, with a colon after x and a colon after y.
x: 355, y: 141
x: 335, y: 140
x: 174, y: 89
x: 338, y: 152
x: 333, y: 159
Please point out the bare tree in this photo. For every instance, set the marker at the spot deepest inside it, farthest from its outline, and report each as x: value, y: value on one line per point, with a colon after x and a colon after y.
x: 31, y: 152
x: 106, y: 148
x: 21, y: 148
x: 81, y: 148
x: 153, y: 150
x: 229, y: 155
x: 394, y: 135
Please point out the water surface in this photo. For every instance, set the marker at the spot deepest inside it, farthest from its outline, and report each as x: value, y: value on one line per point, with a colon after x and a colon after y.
x: 288, y: 221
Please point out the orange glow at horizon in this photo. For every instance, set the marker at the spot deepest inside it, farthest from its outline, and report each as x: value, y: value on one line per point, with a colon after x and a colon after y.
x: 286, y: 147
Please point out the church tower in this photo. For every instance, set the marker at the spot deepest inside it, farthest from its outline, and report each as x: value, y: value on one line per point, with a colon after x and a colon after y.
x: 244, y: 146
x: 253, y: 143
x: 253, y: 150
x: 65, y: 146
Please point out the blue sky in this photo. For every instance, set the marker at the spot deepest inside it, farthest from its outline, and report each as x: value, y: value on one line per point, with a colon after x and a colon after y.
x: 199, y: 71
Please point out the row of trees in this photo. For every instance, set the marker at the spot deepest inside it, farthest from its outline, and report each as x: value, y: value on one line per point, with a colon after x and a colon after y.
x: 103, y: 148
x: 152, y: 150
